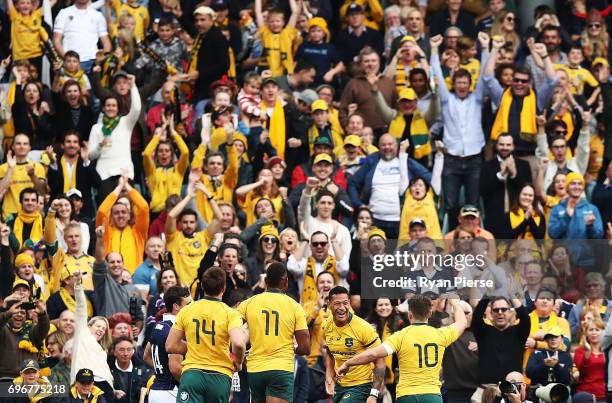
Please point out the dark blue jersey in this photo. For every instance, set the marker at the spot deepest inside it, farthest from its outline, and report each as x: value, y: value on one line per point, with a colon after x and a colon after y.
x: 163, y: 377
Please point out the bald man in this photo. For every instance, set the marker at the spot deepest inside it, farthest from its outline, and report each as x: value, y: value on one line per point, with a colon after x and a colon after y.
x: 381, y: 181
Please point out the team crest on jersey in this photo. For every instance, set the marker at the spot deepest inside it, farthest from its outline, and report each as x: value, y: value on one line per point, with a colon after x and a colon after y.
x: 348, y: 342
x: 184, y: 396
x: 196, y: 244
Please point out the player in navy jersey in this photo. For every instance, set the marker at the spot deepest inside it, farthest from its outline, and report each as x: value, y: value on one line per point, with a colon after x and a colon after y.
x: 167, y: 366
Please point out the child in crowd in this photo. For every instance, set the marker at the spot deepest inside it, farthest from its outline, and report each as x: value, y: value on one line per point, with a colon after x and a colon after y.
x: 322, y: 128
x: 578, y: 75
x: 467, y: 58
x: 72, y: 71
x: 249, y: 97
x: 27, y: 32
x: 133, y: 8
x: 320, y: 52
x: 277, y: 38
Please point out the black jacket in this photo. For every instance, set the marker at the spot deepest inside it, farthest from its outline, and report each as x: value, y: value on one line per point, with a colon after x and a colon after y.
x: 294, y: 128
x: 62, y: 120
x: 541, y: 374
x: 213, y: 62
x: 86, y: 179
x: 131, y: 382
x: 441, y: 21
x: 492, y: 190
x: 499, y: 351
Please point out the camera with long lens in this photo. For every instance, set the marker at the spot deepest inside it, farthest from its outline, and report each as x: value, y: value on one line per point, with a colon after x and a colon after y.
x: 552, y: 393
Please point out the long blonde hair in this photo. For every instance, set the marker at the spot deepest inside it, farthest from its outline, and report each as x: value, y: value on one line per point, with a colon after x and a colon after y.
x: 127, y: 41
x: 107, y: 340
x: 595, y: 48
x: 498, y: 29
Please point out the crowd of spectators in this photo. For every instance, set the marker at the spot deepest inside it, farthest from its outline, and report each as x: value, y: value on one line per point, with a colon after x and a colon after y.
x: 145, y: 141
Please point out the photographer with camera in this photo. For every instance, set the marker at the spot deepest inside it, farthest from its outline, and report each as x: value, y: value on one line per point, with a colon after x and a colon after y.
x: 513, y: 388
x: 21, y: 337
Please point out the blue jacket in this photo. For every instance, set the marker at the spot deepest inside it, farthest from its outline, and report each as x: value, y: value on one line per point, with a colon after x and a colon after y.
x: 360, y: 184
x: 539, y: 372
x: 562, y: 226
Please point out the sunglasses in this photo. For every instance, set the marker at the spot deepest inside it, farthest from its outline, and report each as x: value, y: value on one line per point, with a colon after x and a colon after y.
x: 511, y: 19
x: 594, y: 25
x: 500, y: 310
x: 240, y: 273
x: 563, y: 132
x: 269, y: 239
x: 319, y: 244
x: 520, y: 81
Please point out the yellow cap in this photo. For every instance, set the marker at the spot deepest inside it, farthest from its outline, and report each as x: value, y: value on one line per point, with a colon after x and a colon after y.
x: 553, y: 331
x: 408, y: 38
x: 375, y: 231
x: 268, y: 230
x: 20, y: 281
x: 408, y: 94
x: 573, y: 176
x: 64, y: 274
x: 319, y: 22
x: 352, y: 140
x: 323, y: 157
x: 23, y: 259
x: 318, y: 105
x: 600, y: 60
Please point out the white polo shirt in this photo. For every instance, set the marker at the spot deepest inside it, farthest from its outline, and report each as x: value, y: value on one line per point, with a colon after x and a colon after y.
x: 81, y: 29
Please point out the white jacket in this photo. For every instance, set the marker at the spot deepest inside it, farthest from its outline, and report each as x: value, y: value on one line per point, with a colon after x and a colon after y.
x: 87, y: 352
x: 579, y: 163
x: 112, y: 159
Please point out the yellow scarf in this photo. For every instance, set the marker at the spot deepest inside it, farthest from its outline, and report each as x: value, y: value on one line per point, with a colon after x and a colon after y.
x: 37, y: 226
x: 231, y: 72
x: 70, y: 303
x: 217, y: 137
x: 193, y: 55
x: 517, y: 218
x: 77, y: 76
x: 528, y: 117
x: 419, y: 133
x: 309, y: 293
x: 401, y: 75
x: 277, y: 127
x: 69, y: 183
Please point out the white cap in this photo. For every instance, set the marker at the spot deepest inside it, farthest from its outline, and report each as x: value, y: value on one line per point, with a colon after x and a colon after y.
x: 74, y: 192
x: 204, y: 10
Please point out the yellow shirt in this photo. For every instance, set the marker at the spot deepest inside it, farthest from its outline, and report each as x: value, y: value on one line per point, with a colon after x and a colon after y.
x: 578, y: 77
x: 83, y: 263
x: 207, y: 324
x: 277, y: 53
x: 222, y: 188
x: 273, y: 319
x: 315, y: 318
x: 163, y: 182
x: 187, y: 253
x: 347, y: 341
x: 473, y: 67
x: 26, y: 35
x: 140, y: 14
x: 19, y: 181
x: 250, y: 201
x: 420, y: 349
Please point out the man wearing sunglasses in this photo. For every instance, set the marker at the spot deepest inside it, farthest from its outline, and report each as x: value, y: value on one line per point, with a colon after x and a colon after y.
x: 519, y: 104
x: 306, y: 269
x: 501, y: 344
